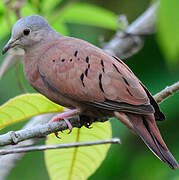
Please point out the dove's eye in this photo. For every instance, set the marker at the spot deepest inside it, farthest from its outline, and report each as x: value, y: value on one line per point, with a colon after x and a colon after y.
x: 26, y: 32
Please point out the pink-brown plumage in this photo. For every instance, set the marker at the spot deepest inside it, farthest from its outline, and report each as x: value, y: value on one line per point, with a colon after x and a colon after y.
x: 65, y: 75
x: 79, y: 75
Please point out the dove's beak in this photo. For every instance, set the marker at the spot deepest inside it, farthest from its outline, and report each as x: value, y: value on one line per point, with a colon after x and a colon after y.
x: 11, y: 43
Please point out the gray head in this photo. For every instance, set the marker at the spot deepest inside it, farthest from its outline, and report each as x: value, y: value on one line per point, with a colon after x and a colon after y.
x: 28, y: 31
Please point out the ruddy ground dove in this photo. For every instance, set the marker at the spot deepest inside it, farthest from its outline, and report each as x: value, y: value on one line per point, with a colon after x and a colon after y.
x: 78, y: 75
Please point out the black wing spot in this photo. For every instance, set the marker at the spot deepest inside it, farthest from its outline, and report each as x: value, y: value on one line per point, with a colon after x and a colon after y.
x: 129, y: 91
x: 87, y: 59
x: 102, y: 64
x: 116, y: 68
x: 88, y: 66
x: 63, y: 60
x: 125, y: 81
x: 82, y: 77
x: 70, y: 60
x: 100, y: 82
x: 75, y: 54
x: 53, y: 60
x: 86, y: 72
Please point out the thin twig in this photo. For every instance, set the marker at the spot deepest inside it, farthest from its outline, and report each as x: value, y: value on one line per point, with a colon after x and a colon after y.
x: 17, y: 6
x: 12, y: 57
x: 59, y: 146
x: 19, y: 77
x: 165, y: 93
x: 7, y: 13
x: 6, y: 63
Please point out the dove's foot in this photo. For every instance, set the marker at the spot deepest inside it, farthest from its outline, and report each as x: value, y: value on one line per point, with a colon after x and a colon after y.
x: 65, y: 117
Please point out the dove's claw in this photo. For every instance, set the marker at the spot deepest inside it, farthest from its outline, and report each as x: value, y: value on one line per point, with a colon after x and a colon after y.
x: 69, y: 125
x: 64, y: 117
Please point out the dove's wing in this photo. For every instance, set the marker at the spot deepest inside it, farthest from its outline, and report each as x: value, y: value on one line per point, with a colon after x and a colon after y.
x: 85, y: 73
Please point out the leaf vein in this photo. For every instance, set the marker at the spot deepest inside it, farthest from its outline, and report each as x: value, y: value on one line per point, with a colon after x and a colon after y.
x: 74, y: 156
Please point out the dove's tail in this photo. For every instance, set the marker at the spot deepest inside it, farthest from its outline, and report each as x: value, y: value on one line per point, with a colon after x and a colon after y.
x: 146, y: 128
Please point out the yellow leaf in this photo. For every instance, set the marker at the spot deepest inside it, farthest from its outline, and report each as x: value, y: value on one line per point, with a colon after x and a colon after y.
x: 80, y: 162
x: 25, y: 106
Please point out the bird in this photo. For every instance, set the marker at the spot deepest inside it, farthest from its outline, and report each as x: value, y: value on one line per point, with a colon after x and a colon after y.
x: 87, y: 80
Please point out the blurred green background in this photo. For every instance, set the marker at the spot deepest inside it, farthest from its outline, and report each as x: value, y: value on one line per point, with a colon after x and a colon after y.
x: 156, y: 65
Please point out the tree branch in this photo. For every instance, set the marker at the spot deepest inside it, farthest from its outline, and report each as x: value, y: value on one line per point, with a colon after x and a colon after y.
x: 10, y: 160
x: 165, y: 93
x: 14, y: 137
x: 38, y: 131
x: 128, y: 43
x: 58, y: 146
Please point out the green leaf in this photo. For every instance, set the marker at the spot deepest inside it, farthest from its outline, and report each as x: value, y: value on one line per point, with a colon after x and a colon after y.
x: 28, y: 9
x: 2, y: 8
x: 35, y: 3
x: 6, y: 23
x: 25, y: 106
x: 176, y: 178
x: 4, y: 27
x: 89, y: 14
x: 80, y: 162
x: 49, y: 5
x: 168, y: 26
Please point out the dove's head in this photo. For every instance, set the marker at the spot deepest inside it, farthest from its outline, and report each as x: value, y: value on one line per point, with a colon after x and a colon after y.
x: 28, y: 31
